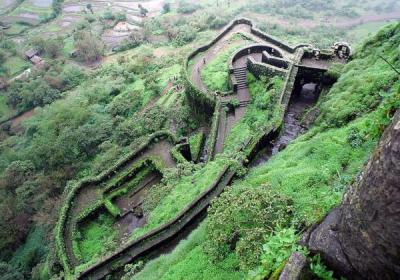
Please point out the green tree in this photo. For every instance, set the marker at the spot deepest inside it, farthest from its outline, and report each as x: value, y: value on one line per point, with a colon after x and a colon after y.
x: 7, y: 272
x: 89, y: 7
x: 89, y: 47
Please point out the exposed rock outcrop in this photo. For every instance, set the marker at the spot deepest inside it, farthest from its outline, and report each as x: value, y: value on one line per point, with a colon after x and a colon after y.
x: 360, y: 239
x: 295, y: 268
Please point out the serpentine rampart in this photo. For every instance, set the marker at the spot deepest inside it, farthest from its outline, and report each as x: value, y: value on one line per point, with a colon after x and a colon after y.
x: 276, y: 58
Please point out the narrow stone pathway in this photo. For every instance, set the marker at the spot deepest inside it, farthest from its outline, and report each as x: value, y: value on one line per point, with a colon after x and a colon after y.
x: 211, y: 53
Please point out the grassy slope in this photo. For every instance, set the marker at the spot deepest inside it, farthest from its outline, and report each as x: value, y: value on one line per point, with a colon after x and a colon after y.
x: 215, y: 73
x: 16, y: 65
x: 97, y: 237
x: 5, y: 110
x: 184, y: 191
x: 315, y: 169
x: 189, y: 261
x: 260, y: 113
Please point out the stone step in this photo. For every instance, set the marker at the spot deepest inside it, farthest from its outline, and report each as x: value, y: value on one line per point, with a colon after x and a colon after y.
x: 240, y: 71
x: 241, y: 76
x: 241, y: 79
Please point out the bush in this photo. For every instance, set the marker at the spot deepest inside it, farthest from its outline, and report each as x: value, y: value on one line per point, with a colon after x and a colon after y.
x: 7, y: 272
x: 185, y: 34
x: 166, y: 8
x: 186, y: 7
x: 218, y: 22
x: 240, y: 219
x: 89, y: 48
x: 279, y: 246
x: 120, y: 17
x: 108, y: 15
x: 319, y: 269
x: 51, y: 47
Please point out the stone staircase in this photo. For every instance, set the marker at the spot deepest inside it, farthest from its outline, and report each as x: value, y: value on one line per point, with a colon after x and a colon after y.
x: 241, y: 77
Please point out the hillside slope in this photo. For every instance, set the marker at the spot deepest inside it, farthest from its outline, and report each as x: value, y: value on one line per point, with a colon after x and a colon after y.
x: 305, y: 180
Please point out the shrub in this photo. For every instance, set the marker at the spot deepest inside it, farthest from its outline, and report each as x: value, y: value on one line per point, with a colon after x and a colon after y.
x: 319, y: 269
x: 277, y: 249
x: 108, y: 15
x: 7, y: 272
x: 239, y: 220
x: 166, y: 8
x: 185, y: 34
x: 186, y: 7
x: 120, y: 17
x: 89, y: 48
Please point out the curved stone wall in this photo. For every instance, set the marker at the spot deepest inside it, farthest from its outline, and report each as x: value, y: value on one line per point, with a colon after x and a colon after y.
x: 72, y: 192
x: 211, y: 103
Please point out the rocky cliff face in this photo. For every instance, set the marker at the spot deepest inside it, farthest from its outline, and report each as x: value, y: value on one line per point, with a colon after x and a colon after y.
x: 361, y: 238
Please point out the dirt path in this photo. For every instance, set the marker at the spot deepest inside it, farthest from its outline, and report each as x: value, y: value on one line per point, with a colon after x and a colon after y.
x: 211, y: 53
x: 228, y: 120
x: 16, y: 123
x: 201, y: 60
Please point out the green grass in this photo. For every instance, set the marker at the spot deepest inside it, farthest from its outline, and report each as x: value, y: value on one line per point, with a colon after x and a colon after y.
x: 27, y: 7
x: 53, y: 27
x: 168, y: 73
x: 112, y: 208
x: 262, y: 111
x: 95, y: 237
x: 189, y: 261
x: 68, y: 45
x: 16, y: 29
x: 173, y: 97
x: 5, y: 111
x: 215, y: 74
x: 185, y: 190
x: 16, y: 65
x: 195, y: 143
x: 314, y: 170
x: 139, y: 86
x: 168, y: 99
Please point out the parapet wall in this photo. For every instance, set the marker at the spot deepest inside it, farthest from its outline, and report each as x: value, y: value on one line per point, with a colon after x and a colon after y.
x: 274, y: 61
x: 254, y: 48
x: 262, y: 69
x: 207, y: 99
x: 71, y: 192
x: 159, y: 235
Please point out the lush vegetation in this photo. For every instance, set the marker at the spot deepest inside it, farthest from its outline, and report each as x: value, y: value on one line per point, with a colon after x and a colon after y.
x: 308, y: 177
x: 262, y: 112
x: 196, y: 142
x: 96, y: 238
x: 182, y: 188
x: 188, y: 260
x: 215, y: 73
x: 92, y: 109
